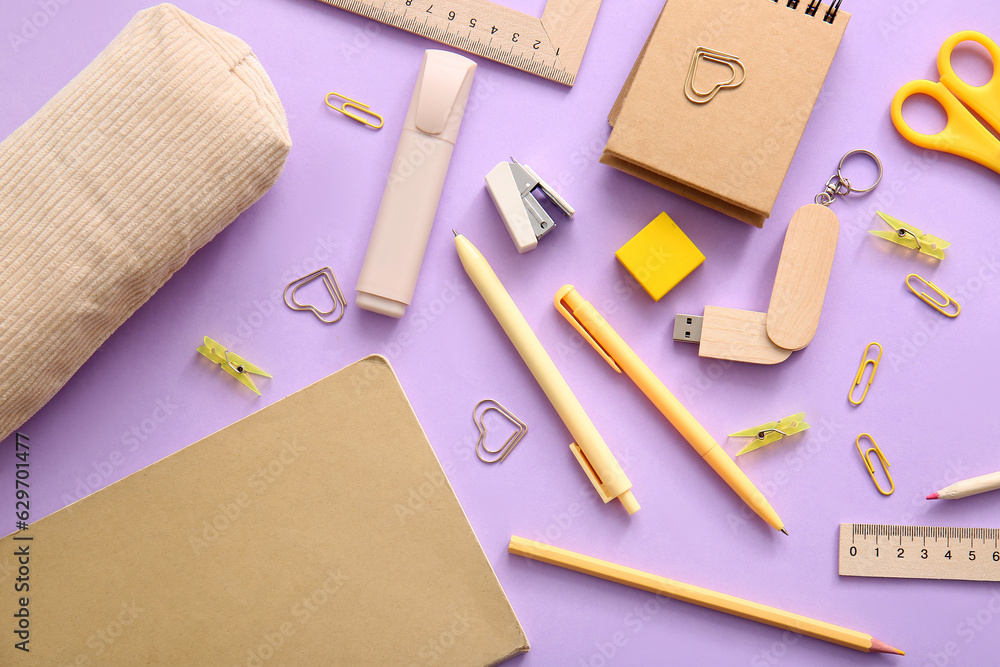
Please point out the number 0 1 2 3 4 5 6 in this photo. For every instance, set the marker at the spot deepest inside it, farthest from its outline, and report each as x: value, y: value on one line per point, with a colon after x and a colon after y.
x: 919, y: 552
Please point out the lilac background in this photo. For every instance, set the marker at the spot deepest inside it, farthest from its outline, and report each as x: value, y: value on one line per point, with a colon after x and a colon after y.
x: 932, y: 407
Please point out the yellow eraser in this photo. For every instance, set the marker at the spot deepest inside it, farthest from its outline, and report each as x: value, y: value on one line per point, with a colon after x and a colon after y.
x: 660, y: 256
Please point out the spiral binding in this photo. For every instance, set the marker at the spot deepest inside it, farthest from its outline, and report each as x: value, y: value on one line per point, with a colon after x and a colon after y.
x: 813, y: 7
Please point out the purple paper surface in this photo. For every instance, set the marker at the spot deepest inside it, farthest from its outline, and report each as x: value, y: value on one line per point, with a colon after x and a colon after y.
x: 932, y: 407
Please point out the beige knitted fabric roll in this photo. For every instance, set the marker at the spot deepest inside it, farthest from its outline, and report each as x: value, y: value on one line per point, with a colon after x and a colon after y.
x: 170, y: 133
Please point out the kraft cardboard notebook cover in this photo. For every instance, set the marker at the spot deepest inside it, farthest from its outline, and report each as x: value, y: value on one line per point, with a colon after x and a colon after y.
x: 288, y: 538
x: 731, y: 153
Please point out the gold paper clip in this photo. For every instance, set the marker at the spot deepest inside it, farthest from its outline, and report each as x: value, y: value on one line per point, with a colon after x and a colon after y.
x: 770, y: 432
x: 865, y: 361
x: 729, y: 60
x: 939, y: 306
x: 232, y: 363
x: 508, y: 446
x: 909, y: 236
x: 866, y: 455
x: 354, y: 104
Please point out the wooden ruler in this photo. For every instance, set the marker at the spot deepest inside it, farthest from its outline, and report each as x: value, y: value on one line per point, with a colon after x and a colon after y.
x: 919, y: 552
x: 551, y: 47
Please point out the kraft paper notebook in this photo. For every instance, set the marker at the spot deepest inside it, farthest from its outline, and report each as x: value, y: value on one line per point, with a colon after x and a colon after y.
x: 732, y: 152
x: 291, y: 537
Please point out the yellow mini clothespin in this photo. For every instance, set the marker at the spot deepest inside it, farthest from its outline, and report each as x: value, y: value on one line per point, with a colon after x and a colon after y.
x: 940, y: 306
x: 348, y: 104
x: 770, y: 432
x: 866, y: 456
x: 865, y: 362
x: 232, y: 363
x: 909, y: 236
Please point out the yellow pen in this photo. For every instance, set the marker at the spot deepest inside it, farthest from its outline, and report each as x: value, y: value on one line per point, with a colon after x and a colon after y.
x: 593, y: 327
x: 590, y: 450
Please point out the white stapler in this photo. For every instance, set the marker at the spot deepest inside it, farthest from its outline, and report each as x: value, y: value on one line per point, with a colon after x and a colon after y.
x: 512, y: 184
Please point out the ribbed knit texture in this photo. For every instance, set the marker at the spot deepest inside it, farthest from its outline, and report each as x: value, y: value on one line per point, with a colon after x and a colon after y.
x: 168, y: 135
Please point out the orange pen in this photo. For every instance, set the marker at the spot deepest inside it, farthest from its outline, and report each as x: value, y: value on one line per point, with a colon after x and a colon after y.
x: 593, y: 327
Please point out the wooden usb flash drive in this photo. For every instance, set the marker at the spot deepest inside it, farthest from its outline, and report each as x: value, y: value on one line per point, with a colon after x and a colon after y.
x: 728, y: 333
x: 803, y: 273
x: 796, y: 299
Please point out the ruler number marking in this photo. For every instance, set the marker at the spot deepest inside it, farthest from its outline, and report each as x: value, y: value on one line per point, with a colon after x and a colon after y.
x: 437, y: 25
x: 934, y: 559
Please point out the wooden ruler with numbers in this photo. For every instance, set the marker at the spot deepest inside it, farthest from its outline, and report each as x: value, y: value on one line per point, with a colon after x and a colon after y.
x: 551, y: 47
x: 919, y: 552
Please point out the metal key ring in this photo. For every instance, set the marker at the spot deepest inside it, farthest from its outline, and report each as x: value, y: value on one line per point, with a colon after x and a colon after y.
x: 840, y: 167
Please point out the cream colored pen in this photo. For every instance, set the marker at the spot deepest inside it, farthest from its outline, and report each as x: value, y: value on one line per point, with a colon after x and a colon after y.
x: 590, y: 449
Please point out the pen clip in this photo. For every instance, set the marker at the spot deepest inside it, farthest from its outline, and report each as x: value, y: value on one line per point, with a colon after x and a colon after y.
x: 591, y: 473
x: 567, y: 302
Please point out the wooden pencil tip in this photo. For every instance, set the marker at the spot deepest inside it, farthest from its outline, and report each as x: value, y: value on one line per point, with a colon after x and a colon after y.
x: 933, y: 496
x: 882, y: 647
x: 784, y: 531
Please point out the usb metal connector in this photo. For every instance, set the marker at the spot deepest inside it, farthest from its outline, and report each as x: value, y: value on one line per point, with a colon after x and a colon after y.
x: 687, y: 328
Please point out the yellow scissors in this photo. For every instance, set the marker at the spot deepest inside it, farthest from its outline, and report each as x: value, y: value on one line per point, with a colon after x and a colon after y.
x: 963, y: 135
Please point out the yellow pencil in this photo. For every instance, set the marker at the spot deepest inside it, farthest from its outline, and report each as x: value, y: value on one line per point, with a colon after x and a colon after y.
x: 699, y: 596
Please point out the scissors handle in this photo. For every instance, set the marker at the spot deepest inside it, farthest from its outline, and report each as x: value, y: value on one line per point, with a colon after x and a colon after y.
x: 963, y: 135
x: 984, y: 99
